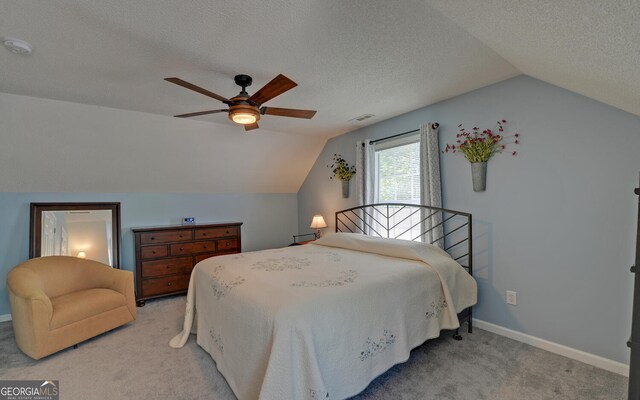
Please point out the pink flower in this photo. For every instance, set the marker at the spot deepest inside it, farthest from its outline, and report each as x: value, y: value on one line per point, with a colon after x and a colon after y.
x: 484, y: 141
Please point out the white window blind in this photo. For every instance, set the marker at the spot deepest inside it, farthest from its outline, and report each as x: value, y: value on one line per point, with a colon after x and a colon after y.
x: 397, y: 180
x: 397, y: 170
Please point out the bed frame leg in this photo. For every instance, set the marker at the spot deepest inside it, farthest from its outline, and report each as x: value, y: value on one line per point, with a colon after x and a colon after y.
x: 457, y: 335
x: 470, y: 322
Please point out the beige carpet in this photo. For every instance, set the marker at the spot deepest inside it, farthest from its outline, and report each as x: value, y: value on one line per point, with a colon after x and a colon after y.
x: 136, y: 362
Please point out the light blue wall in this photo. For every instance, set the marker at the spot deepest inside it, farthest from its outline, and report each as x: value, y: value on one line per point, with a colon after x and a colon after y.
x: 269, y: 220
x: 557, y: 222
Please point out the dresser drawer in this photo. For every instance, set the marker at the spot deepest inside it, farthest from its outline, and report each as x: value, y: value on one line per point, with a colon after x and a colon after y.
x: 213, y: 233
x: 166, y: 236
x: 168, y: 284
x: 154, y: 251
x: 166, y: 267
x: 200, y: 257
x: 227, y: 245
x: 192, y: 248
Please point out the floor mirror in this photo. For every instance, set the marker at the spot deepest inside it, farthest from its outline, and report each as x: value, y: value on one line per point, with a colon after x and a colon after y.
x: 84, y: 230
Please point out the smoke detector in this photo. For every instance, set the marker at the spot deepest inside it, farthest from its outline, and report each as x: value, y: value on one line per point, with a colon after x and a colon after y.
x: 17, y: 46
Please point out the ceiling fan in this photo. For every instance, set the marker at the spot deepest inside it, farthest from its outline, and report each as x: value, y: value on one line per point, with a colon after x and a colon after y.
x: 244, y: 109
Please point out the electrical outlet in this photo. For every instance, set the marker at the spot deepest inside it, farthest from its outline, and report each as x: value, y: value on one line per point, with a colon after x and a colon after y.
x: 512, y: 298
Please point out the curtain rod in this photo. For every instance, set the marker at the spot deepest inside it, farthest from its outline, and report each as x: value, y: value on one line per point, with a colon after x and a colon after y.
x: 435, y: 125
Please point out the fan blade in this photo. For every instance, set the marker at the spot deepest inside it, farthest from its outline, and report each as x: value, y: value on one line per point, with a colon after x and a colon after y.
x: 288, y: 112
x: 195, y: 88
x: 276, y: 87
x: 250, y: 127
x: 194, y: 114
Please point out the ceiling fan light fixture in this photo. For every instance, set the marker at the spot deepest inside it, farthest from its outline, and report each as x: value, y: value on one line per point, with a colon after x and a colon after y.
x: 244, y: 109
x: 243, y: 118
x: 244, y: 115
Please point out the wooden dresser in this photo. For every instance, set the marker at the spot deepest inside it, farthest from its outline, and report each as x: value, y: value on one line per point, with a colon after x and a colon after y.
x: 166, y: 255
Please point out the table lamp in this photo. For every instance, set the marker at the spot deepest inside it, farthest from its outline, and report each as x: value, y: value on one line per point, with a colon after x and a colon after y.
x: 318, y: 223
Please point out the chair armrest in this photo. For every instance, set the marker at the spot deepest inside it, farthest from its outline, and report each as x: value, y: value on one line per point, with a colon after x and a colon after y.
x: 25, y: 284
x: 31, y: 311
x: 124, y: 284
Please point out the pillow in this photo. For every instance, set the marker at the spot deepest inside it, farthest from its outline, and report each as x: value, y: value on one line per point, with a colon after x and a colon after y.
x: 388, y: 247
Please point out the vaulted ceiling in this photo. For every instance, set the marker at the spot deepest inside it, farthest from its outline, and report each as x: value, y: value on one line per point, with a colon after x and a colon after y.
x: 591, y: 47
x: 348, y: 57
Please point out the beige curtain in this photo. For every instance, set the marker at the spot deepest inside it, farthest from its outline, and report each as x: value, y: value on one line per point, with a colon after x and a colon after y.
x: 430, y: 192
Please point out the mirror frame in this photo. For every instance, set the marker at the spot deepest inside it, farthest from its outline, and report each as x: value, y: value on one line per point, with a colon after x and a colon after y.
x: 35, y: 224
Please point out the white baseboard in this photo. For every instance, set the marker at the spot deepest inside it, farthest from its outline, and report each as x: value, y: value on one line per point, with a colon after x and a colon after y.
x: 575, y: 354
x: 5, y: 317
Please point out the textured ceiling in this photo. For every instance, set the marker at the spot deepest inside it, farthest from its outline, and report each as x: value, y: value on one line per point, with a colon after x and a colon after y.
x: 348, y: 57
x: 591, y: 47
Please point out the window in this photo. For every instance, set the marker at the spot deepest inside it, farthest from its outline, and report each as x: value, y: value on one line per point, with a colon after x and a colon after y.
x: 397, y: 180
x: 397, y: 171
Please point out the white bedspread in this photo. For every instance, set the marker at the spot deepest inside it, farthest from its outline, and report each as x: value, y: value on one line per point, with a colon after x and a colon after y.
x: 321, y: 321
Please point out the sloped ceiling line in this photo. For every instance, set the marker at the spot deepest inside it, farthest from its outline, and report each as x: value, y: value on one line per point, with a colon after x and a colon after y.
x: 590, y: 47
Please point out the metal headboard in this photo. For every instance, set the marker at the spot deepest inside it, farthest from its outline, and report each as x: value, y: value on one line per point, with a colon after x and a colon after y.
x: 413, y: 222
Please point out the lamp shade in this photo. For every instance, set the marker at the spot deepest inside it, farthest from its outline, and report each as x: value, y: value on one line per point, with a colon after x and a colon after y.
x: 82, y: 254
x: 318, y: 222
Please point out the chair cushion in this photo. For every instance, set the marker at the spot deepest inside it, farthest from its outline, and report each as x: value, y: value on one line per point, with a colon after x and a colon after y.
x: 77, y: 306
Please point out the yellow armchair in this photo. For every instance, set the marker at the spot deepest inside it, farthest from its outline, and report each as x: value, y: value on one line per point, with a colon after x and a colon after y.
x: 59, y: 301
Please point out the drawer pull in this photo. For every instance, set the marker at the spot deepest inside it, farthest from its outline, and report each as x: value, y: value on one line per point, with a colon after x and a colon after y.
x: 180, y: 235
x: 153, y: 238
x: 153, y: 252
x: 227, y: 232
x: 204, y: 247
x: 168, y: 266
x: 181, y: 249
x: 204, y: 233
x: 169, y: 284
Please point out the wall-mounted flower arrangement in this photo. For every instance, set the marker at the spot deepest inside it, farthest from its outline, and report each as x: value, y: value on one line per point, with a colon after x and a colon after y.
x: 479, y: 146
x: 343, y: 172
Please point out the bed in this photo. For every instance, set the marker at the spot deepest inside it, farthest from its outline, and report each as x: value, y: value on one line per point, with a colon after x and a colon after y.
x: 322, y: 320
